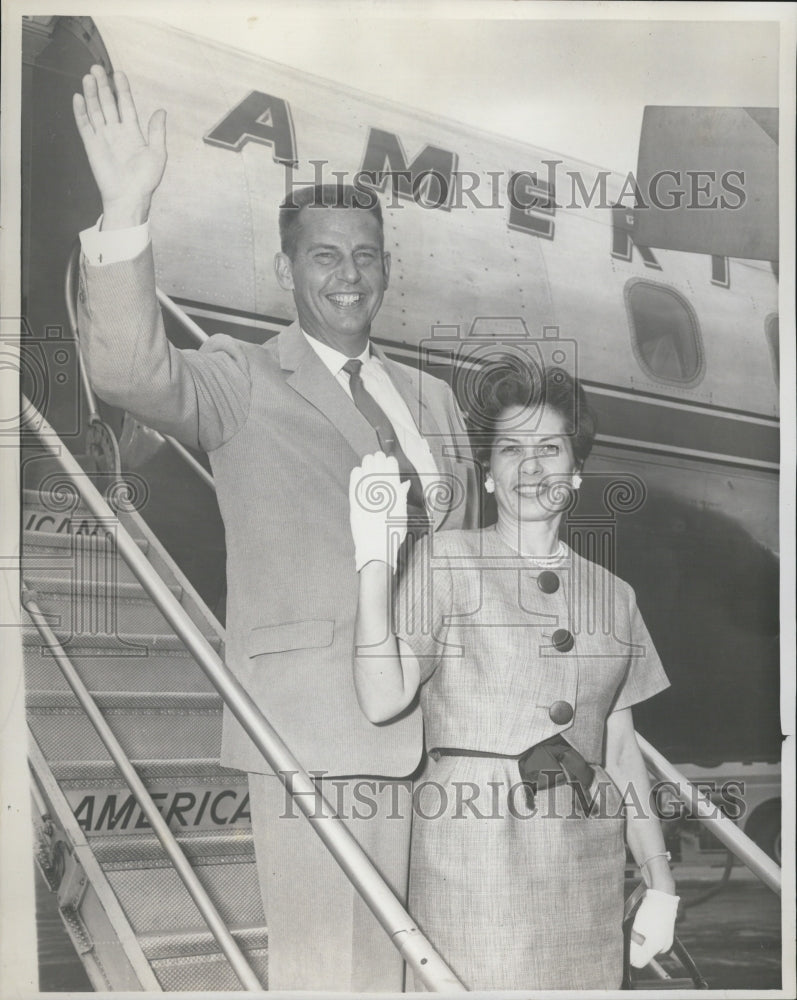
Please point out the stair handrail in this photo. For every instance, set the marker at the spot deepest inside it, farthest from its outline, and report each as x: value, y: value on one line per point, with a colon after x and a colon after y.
x: 185, y: 320
x: 160, y: 827
x: 426, y: 963
x: 711, y: 816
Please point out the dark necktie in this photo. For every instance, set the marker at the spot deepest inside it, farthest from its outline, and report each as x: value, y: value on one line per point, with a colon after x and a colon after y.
x: 388, y: 442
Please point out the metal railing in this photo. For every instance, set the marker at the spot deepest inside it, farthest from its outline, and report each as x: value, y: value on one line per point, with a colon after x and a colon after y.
x: 712, y: 817
x: 415, y: 949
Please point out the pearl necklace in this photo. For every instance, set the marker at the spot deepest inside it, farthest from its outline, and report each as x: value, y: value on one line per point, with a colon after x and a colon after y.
x: 550, y: 560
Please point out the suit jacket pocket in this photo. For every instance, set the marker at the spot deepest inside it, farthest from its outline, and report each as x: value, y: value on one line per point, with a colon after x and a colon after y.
x: 308, y: 634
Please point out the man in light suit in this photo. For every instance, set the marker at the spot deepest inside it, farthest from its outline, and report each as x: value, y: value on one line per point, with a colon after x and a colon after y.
x: 284, y: 424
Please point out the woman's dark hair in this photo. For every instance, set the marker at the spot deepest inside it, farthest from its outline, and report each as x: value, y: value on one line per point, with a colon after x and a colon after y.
x: 515, y: 380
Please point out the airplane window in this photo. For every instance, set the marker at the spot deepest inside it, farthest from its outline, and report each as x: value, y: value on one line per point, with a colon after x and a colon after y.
x: 772, y: 332
x: 665, y: 333
x: 720, y: 274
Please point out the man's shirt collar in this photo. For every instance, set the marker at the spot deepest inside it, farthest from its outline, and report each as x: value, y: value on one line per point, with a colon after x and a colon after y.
x: 334, y: 360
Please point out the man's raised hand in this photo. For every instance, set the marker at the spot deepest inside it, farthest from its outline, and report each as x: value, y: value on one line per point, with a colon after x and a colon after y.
x: 127, y: 166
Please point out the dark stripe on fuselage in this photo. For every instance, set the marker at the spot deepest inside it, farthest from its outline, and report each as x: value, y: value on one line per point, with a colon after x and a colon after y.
x: 721, y: 434
x: 636, y: 420
x: 691, y: 404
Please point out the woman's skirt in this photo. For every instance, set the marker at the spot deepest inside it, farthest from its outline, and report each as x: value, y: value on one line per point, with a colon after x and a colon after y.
x: 516, y: 895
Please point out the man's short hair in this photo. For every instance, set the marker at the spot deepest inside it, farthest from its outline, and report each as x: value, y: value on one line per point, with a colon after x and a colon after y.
x: 323, y: 196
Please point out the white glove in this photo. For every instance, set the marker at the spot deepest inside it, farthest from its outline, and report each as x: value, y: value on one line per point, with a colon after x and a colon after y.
x: 377, y: 510
x: 653, y: 927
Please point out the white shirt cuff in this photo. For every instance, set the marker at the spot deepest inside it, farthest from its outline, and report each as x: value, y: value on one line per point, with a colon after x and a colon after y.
x: 110, y: 246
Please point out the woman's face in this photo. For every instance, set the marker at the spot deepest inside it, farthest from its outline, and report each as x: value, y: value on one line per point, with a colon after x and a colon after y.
x: 532, y: 464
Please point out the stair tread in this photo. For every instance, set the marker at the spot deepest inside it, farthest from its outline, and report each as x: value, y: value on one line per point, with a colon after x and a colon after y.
x: 34, y: 496
x: 239, y: 932
x: 191, y: 838
x: 104, y: 769
x: 160, y: 946
x: 122, y: 589
x: 163, y: 642
x: 232, y: 885
x: 65, y: 540
x: 207, y: 846
x: 132, y: 700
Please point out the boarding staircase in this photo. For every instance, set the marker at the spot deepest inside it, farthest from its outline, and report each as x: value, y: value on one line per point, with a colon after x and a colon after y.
x: 128, y: 913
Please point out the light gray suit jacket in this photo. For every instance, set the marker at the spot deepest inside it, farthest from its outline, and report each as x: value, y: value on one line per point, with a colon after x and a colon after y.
x: 282, y: 437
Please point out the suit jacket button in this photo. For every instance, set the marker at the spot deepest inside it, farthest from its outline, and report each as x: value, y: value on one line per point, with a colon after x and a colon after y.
x: 548, y: 582
x: 563, y: 640
x: 561, y: 712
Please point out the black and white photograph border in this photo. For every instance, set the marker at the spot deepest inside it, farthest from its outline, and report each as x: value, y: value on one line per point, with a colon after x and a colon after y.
x: 587, y: 198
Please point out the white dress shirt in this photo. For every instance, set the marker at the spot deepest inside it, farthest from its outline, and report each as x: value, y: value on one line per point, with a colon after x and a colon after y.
x: 111, y: 246
x: 379, y: 384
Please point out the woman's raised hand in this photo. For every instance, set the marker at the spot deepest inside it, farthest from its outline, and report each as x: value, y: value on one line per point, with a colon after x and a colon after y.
x: 127, y: 166
x: 377, y: 510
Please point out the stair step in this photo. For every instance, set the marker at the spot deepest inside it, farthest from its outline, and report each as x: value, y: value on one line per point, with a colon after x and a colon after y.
x: 180, y: 942
x: 92, y: 608
x: 207, y: 845
x: 151, y: 665
x: 89, y: 587
x: 46, y: 554
x: 129, y: 701
x: 67, y: 733
x: 207, y: 972
x: 60, y: 514
x: 154, y: 643
x: 36, y: 540
x: 78, y: 772
x: 233, y: 888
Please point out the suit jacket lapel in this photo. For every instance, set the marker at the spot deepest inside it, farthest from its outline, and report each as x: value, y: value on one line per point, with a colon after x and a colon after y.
x: 308, y: 375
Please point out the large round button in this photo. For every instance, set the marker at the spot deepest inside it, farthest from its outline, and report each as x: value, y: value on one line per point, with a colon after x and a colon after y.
x: 561, y: 712
x: 548, y: 582
x: 563, y: 640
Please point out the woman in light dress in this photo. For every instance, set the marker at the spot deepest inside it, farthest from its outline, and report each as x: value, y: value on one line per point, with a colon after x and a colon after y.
x: 529, y: 659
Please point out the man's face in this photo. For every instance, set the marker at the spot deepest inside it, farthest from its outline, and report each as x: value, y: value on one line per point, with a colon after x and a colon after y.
x: 338, y: 274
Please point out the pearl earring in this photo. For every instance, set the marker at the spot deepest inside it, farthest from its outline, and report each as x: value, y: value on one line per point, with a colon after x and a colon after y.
x: 576, y: 481
x: 489, y: 485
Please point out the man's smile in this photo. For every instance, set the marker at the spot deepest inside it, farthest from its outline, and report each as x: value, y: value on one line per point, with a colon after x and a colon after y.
x: 345, y: 300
